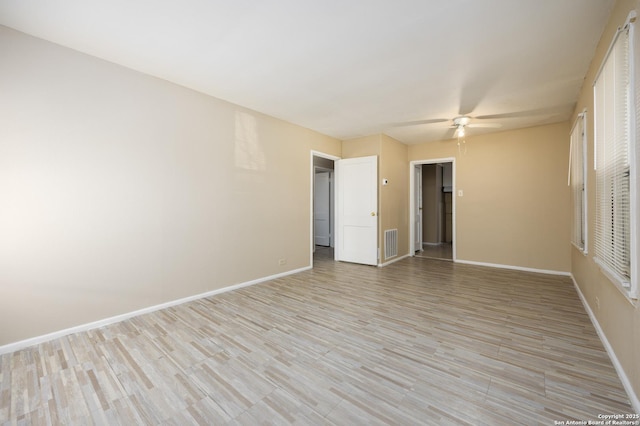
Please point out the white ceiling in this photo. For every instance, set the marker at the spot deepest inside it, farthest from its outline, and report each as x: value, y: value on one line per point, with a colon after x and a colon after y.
x: 346, y: 68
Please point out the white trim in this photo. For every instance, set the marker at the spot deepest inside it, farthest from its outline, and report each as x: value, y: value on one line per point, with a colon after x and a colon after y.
x: 582, y: 252
x: 626, y: 383
x: 630, y: 19
x: 634, y: 158
x: 617, y: 281
x: 585, y: 213
x: 515, y: 268
x: 16, y: 346
x: 332, y: 190
x: 583, y: 140
x: 380, y: 265
x: 412, y: 201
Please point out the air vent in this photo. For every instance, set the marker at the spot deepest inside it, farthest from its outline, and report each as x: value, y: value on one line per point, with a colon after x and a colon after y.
x: 390, y: 243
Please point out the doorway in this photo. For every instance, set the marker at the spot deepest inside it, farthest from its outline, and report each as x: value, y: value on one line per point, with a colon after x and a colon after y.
x: 322, y: 206
x: 433, y: 208
x: 353, y: 203
x: 323, y: 209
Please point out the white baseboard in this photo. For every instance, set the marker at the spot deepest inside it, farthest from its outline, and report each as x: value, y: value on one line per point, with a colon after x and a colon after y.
x: 16, y: 346
x: 392, y: 261
x: 515, y: 268
x: 626, y: 383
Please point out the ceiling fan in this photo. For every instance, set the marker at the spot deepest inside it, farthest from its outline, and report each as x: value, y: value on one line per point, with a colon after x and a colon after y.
x: 463, y: 121
x: 459, y: 124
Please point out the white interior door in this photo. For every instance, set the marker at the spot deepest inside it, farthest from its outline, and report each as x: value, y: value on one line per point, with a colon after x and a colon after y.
x: 357, y: 210
x: 417, y: 194
x: 321, y: 208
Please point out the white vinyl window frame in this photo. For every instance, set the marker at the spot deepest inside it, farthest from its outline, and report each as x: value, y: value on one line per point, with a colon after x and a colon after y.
x: 615, y: 162
x: 578, y: 182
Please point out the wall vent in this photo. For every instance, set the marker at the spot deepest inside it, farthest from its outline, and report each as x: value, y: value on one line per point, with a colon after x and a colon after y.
x: 390, y: 243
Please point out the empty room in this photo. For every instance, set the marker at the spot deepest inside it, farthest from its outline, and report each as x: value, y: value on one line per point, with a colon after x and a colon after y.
x: 319, y: 212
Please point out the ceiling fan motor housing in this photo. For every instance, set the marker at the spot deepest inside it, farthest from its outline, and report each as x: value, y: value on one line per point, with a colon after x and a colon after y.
x: 461, y: 121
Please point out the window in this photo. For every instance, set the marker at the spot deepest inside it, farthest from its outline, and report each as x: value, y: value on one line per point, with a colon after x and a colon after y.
x: 614, y: 138
x: 577, y: 182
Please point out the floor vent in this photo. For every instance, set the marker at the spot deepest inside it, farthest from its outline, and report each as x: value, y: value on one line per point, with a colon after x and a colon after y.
x: 390, y: 243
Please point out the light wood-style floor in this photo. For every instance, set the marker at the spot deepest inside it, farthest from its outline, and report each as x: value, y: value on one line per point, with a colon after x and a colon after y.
x: 417, y: 342
x: 442, y: 251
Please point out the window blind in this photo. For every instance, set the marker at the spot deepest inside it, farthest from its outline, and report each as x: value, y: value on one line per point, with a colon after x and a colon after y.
x: 612, y: 122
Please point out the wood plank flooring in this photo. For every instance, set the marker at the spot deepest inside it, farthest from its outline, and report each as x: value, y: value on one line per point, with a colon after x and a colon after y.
x: 442, y: 251
x: 417, y: 342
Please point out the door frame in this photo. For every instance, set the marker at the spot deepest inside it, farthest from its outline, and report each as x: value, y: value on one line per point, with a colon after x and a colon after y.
x: 412, y: 201
x: 417, y: 169
x: 320, y: 154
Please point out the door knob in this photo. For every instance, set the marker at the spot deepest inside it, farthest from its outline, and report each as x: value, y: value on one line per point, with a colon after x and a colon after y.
x: 373, y: 213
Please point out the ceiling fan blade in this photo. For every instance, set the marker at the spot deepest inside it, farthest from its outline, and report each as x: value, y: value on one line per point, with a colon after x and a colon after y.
x: 528, y: 113
x: 485, y: 125
x: 469, y: 101
x: 475, y: 88
x: 419, y: 122
x: 451, y: 133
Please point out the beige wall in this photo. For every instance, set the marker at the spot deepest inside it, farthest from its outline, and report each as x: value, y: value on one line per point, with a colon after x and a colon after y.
x: 121, y: 191
x: 362, y: 147
x: 394, y: 197
x: 617, y: 316
x: 515, y: 205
